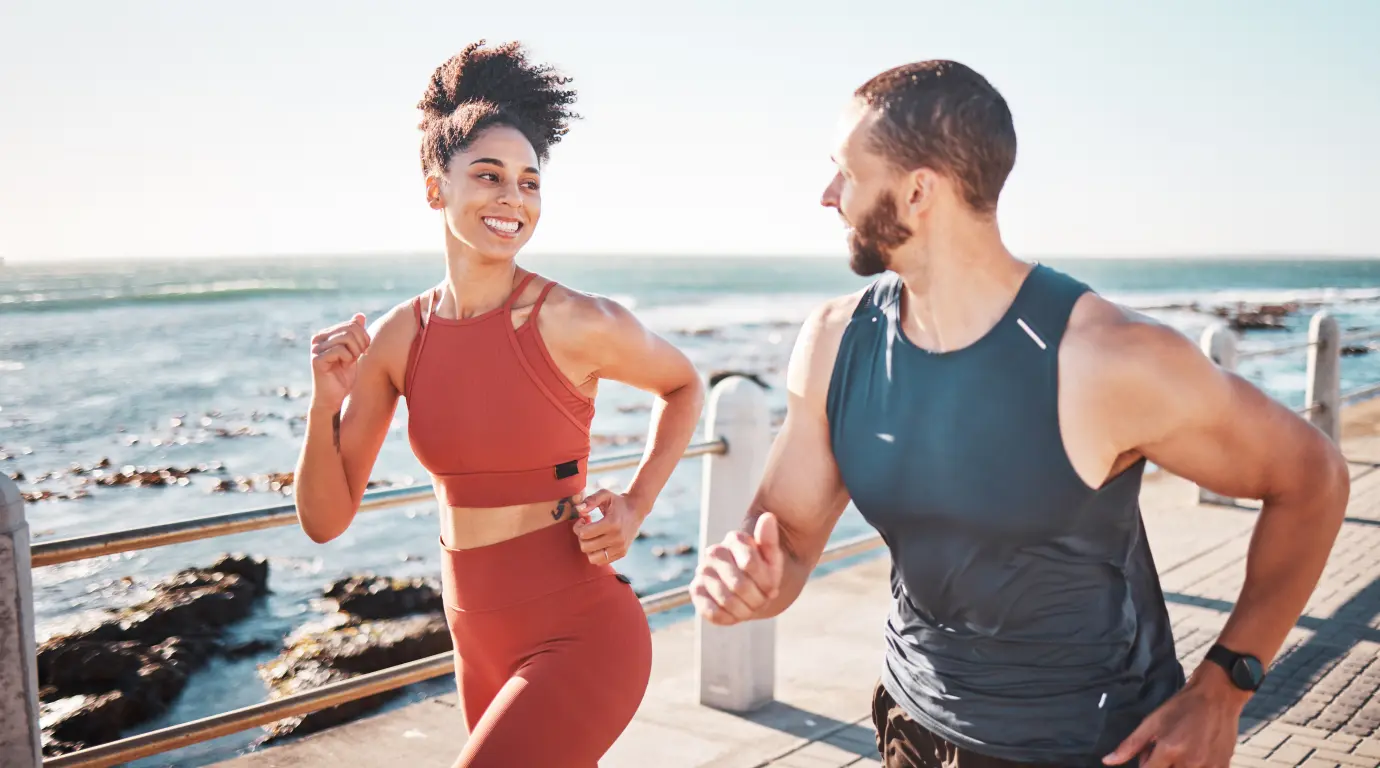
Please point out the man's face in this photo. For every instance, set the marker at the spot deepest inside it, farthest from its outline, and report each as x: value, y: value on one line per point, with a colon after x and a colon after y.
x: 863, y: 191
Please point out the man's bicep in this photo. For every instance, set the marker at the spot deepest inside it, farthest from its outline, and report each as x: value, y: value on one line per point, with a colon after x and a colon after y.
x: 801, y: 484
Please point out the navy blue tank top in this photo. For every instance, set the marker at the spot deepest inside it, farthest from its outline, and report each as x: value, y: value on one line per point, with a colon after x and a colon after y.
x: 1028, y: 621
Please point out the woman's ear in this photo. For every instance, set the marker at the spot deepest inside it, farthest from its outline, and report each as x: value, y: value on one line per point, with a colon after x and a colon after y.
x: 433, y: 192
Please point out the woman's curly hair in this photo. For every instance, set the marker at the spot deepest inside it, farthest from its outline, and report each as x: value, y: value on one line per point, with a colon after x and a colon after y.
x: 479, y: 88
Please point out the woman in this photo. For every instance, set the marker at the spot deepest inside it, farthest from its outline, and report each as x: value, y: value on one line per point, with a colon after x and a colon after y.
x: 500, y: 367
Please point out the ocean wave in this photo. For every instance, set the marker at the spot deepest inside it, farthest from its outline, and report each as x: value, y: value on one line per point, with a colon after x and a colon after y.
x: 731, y: 310
x: 61, y: 298
x: 1305, y: 297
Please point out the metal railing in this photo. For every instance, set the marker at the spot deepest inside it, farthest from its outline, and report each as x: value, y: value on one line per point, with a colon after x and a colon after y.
x: 1360, y: 393
x: 739, y: 432
x: 212, y: 526
x: 1276, y: 351
x: 1323, y: 398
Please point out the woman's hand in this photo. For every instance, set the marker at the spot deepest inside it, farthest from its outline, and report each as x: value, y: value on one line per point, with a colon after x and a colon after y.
x: 334, y: 355
x: 610, y: 538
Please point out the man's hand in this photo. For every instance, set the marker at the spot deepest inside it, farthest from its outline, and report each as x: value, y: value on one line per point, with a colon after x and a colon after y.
x: 740, y: 575
x: 1195, y: 727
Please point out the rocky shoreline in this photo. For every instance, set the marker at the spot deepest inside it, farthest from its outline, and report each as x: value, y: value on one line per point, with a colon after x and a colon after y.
x: 129, y: 666
x: 80, y: 479
x: 376, y: 622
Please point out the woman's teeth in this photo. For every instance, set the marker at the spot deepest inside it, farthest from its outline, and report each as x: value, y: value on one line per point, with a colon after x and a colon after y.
x: 502, y: 226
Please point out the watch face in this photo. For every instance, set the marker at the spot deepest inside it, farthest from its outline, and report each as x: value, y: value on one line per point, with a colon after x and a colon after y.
x: 1247, y: 673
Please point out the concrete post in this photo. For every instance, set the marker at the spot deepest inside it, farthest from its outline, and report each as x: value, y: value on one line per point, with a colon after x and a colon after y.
x: 20, y: 738
x: 735, y: 666
x: 1324, y: 388
x: 1219, y: 344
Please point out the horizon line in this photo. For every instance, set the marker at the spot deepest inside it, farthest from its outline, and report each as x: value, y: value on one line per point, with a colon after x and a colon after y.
x: 363, y: 255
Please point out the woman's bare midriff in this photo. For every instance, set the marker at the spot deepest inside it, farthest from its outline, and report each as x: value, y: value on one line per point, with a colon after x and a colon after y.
x: 470, y: 528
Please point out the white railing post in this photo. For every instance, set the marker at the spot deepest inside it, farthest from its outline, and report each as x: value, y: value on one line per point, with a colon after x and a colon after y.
x: 20, y: 737
x: 1219, y: 344
x: 735, y: 666
x: 1324, y: 388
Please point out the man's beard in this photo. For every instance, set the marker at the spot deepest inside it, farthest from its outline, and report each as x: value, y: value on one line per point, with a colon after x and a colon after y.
x: 879, y: 232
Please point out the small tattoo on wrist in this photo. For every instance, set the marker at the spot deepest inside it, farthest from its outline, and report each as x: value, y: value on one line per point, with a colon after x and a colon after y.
x: 335, y: 430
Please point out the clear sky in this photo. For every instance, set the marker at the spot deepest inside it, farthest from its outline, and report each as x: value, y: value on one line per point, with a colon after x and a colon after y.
x: 187, y: 128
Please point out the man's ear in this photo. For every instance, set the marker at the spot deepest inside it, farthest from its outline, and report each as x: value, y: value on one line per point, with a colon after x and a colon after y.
x: 920, y: 190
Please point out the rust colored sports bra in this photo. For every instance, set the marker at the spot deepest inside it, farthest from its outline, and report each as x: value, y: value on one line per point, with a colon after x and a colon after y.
x: 490, y: 416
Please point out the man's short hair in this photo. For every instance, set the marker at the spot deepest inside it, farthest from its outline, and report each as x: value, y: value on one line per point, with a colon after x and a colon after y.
x: 942, y: 115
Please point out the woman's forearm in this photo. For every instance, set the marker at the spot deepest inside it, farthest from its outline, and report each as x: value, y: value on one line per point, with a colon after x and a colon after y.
x: 673, y: 421
x: 325, y: 502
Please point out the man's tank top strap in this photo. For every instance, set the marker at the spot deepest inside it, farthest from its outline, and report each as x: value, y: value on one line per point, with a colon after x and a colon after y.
x: 880, y: 296
x: 1044, y: 304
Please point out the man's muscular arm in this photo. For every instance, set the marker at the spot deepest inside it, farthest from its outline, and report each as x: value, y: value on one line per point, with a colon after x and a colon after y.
x: 1210, y: 426
x: 759, y: 571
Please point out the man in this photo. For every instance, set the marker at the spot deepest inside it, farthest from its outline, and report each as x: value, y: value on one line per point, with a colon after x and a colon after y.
x: 992, y: 420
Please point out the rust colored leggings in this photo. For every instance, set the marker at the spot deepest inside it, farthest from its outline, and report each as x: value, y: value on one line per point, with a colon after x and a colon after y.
x: 553, y: 654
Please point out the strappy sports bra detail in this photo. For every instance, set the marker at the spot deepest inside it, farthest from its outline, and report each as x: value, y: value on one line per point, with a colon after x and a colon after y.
x: 490, y: 416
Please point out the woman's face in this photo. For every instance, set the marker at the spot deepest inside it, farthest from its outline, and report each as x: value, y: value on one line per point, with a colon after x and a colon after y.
x: 491, y: 194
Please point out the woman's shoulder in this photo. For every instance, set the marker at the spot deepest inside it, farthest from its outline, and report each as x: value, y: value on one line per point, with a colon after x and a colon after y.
x: 393, y: 331
x: 589, y: 315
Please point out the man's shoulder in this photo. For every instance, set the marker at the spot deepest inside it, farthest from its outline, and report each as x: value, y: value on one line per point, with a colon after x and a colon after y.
x: 817, y: 346
x: 833, y: 314
x: 824, y: 327
x: 1118, y: 343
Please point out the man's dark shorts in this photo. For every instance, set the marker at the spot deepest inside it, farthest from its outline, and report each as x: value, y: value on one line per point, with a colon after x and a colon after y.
x: 903, y: 743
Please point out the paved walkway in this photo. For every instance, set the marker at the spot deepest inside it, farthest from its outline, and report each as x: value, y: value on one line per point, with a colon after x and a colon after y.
x: 1317, y: 709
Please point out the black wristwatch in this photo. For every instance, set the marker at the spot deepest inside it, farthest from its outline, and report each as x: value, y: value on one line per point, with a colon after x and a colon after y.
x: 1245, y: 671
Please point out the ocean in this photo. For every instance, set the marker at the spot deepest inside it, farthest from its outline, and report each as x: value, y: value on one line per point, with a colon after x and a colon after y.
x: 205, y: 362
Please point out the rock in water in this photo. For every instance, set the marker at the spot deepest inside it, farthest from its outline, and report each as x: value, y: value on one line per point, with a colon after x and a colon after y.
x: 129, y: 667
x: 75, y: 722
x: 255, y: 570
x: 1257, y: 321
x: 678, y: 549
x: 1266, y: 317
x: 379, y: 597
x: 381, y: 623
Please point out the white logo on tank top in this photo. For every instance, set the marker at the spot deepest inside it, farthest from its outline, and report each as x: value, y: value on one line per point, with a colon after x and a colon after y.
x: 1031, y: 333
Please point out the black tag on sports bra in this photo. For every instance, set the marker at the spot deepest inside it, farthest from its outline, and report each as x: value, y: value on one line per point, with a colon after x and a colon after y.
x: 568, y: 469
